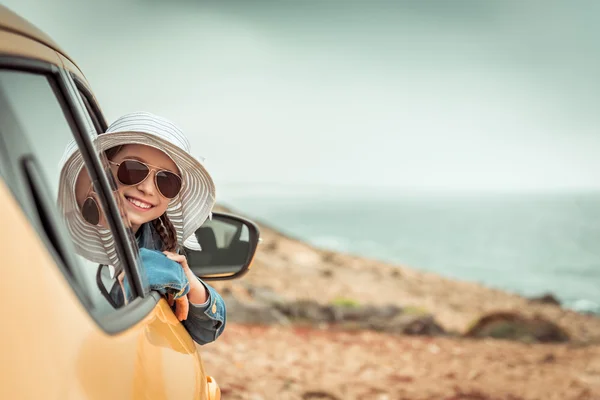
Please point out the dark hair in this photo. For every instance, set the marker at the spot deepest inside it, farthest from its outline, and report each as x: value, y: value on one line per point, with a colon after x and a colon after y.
x: 167, y: 232
x: 112, y: 152
x: 162, y: 224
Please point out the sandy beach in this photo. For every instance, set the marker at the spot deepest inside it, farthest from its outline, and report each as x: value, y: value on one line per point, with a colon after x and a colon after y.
x: 266, y: 359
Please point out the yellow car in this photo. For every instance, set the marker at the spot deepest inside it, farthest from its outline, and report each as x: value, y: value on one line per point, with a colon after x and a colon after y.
x: 60, y: 336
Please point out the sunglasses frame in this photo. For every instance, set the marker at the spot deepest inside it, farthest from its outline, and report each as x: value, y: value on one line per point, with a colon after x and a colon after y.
x: 150, y: 169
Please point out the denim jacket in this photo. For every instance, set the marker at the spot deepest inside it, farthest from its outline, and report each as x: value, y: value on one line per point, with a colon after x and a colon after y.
x: 162, y: 274
x: 205, y: 322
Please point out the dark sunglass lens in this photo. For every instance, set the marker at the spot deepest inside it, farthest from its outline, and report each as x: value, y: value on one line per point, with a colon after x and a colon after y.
x: 90, y: 211
x: 168, y: 183
x: 132, y: 172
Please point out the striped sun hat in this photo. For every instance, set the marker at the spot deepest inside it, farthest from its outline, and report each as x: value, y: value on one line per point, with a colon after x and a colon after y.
x: 187, y: 211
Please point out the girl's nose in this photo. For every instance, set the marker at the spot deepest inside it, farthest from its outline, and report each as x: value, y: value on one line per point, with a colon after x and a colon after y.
x: 147, y: 186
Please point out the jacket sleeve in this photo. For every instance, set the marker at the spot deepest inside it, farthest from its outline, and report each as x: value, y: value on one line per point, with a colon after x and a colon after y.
x: 206, y: 322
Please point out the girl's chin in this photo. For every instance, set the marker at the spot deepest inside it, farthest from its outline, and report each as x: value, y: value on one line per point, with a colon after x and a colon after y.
x: 141, y: 219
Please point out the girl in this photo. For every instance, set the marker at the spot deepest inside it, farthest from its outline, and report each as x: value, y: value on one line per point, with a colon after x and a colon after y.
x: 167, y: 195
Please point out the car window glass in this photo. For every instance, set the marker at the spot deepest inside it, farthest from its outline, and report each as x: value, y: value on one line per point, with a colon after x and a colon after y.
x: 32, y: 101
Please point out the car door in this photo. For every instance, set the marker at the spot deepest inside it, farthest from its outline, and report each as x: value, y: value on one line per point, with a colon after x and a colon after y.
x: 76, y: 345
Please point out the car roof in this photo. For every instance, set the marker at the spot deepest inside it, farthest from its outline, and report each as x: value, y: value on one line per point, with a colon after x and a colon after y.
x: 10, y: 21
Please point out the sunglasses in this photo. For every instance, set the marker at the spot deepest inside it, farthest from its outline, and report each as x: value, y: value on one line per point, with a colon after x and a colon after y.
x: 90, y: 211
x: 134, y: 172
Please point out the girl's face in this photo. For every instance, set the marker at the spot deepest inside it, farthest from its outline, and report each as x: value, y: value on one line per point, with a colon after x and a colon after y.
x: 143, y: 201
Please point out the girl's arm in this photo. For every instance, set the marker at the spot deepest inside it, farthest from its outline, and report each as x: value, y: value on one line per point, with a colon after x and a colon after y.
x: 207, y: 313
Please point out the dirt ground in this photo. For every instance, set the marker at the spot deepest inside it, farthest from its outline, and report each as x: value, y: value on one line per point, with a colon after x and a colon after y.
x: 256, y: 362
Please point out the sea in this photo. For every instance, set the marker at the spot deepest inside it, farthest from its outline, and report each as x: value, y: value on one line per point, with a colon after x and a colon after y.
x: 530, y: 244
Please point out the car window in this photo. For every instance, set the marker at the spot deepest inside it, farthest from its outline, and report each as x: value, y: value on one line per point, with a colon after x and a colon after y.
x: 32, y: 110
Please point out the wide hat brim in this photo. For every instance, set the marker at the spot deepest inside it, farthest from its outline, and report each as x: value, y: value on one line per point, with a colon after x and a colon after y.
x: 187, y: 211
x: 94, y: 243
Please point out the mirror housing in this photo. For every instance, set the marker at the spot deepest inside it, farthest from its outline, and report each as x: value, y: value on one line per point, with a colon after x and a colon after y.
x: 228, y: 244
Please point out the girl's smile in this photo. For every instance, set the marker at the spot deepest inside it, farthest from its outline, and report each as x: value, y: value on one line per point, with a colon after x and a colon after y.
x: 143, y: 201
x: 138, y: 203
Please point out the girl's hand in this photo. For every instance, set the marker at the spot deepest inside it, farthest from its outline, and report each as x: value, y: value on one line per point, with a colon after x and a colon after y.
x: 120, y: 278
x: 179, y: 258
x: 198, y: 293
x: 182, y: 306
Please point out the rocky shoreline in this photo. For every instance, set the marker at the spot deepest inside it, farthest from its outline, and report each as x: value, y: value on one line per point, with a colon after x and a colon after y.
x: 263, y: 306
x: 295, y: 291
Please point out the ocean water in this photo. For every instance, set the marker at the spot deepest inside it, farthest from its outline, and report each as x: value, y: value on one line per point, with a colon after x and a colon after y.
x: 528, y: 244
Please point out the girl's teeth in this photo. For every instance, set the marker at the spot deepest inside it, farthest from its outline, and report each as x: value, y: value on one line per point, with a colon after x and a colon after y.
x: 139, y: 203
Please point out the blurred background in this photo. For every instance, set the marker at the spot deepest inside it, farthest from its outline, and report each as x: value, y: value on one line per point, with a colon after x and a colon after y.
x: 456, y: 137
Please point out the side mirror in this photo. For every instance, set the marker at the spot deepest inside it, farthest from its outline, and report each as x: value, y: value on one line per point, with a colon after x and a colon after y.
x: 228, y: 244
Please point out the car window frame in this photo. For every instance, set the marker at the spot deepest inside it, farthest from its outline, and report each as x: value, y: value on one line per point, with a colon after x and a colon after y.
x: 89, y: 100
x: 84, y: 120
x: 71, y: 104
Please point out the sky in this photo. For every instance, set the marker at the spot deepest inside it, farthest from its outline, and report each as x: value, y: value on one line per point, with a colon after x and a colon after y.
x: 422, y: 95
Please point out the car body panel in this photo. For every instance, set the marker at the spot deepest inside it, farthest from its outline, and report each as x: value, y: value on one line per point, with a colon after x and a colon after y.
x: 60, y: 353
x: 20, y: 46
x: 50, y: 345
x: 19, y: 37
x: 11, y: 22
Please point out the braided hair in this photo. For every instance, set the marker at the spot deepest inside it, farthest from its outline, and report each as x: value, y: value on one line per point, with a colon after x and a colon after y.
x: 167, y: 232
